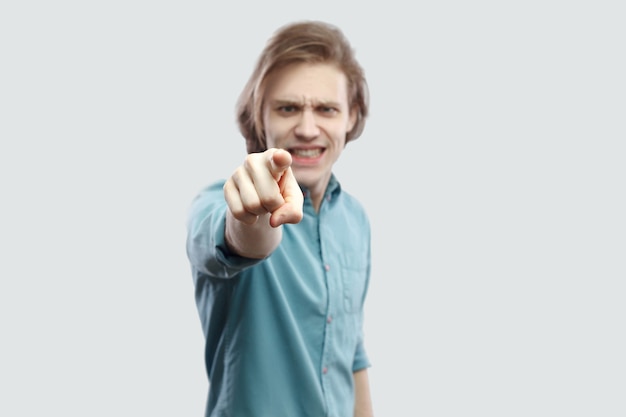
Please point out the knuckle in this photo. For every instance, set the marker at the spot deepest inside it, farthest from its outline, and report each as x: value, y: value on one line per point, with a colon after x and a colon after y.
x: 271, y: 203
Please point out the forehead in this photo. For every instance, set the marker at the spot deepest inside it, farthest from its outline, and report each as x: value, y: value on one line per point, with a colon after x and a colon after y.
x: 307, y: 81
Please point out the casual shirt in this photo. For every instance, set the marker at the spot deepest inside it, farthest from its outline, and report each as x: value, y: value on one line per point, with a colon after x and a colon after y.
x: 283, y: 334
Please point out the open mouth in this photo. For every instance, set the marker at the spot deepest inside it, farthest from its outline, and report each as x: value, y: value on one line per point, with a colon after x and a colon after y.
x: 306, y: 153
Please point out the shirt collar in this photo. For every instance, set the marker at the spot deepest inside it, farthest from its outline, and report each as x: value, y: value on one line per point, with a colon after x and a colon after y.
x: 332, y: 189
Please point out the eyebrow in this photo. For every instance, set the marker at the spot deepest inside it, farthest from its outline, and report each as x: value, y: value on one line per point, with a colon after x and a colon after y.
x: 316, y: 103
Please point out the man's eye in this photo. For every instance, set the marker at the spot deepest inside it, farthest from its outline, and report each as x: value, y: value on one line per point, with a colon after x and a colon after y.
x: 288, y: 109
x: 327, y: 110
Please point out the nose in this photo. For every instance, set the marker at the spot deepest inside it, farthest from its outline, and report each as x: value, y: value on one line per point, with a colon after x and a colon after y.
x: 307, y: 128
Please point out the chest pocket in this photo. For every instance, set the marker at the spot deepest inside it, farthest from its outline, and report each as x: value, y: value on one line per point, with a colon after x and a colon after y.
x: 354, y: 280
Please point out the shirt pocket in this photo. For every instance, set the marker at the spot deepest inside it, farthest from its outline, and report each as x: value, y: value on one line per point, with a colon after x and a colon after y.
x: 353, y: 279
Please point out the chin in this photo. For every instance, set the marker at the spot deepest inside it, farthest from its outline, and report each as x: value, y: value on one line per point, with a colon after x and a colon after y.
x: 307, y: 178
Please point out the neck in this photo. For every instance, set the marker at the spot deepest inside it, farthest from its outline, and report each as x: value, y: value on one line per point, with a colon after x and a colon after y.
x: 316, y: 193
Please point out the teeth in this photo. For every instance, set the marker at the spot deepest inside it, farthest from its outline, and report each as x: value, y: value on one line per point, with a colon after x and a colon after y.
x: 307, y: 153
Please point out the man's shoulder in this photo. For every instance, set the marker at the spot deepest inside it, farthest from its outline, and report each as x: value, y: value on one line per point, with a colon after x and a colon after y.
x: 351, y: 201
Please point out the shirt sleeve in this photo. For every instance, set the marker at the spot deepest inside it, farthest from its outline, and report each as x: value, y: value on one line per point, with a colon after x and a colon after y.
x: 361, y: 360
x: 206, y: 245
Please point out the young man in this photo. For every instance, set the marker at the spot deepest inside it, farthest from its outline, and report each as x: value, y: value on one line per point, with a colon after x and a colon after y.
x: 280, y: 253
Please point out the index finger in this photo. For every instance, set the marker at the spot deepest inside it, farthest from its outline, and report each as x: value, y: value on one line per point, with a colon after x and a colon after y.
x: 279, y: 161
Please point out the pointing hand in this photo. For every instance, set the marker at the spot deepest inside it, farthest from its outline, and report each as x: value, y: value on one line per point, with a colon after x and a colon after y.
x: 264, y: 183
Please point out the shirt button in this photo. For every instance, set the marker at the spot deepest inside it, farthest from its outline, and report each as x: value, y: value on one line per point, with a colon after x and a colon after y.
x: 325, y: 370
x: 327, y: 267
x: 329, y: 319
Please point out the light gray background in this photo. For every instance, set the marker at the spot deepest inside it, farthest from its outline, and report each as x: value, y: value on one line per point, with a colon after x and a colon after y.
x: 492, y: 168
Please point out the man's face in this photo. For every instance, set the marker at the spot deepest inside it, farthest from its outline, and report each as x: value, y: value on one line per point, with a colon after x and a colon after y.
x: 305, y: 111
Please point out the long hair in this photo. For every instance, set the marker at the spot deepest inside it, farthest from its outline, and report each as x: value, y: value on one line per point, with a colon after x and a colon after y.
x: 305, y: 41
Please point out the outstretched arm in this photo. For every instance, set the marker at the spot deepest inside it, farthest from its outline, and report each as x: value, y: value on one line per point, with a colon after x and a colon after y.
x: 262, y: 194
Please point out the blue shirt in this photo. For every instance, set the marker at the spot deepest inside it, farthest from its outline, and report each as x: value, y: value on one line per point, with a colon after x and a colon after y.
x: 283, y: 334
